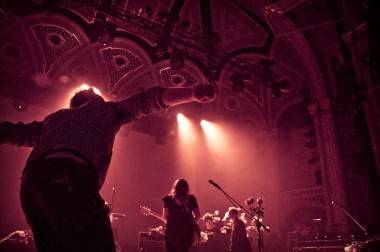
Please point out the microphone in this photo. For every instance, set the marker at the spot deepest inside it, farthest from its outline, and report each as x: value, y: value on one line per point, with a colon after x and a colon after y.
x: 260, y: 201
x: 214, y: 184
x: 335, y: 203
x: 249, y: 201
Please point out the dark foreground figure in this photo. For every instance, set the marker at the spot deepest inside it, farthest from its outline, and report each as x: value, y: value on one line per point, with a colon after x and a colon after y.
x: 69, y: 162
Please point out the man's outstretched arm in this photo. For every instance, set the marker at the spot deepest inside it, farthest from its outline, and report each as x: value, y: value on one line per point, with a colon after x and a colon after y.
x: 20, y: 134
x: 157, y: 98
x: 200, y: 93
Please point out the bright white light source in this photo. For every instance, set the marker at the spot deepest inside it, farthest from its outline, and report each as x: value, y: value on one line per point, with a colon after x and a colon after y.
x: 215, y: 136
x: 84, y: 86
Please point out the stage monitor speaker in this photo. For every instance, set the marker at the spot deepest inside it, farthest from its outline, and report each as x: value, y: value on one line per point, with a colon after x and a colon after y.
x: 151, y: 246
x: 149, y: 243
x: 9, y: 247
x: 319, y: 249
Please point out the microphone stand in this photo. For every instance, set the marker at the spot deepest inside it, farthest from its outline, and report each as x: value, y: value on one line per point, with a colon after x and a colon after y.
x: 351, y: 217
x: 259, y: 224
x: 234, y: 202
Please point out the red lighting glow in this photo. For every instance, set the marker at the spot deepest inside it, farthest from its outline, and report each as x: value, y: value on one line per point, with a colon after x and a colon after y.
x: 71, y: 92
x: 188, y: 145
x: 215, y: 136
x: 84, y: 86
x: 185, y: 129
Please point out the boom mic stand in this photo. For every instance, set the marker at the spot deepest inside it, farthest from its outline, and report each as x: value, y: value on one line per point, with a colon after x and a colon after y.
x: 234, y: 202
x: 259, y: 224
x: 334, y: 203
x: 357, y: 246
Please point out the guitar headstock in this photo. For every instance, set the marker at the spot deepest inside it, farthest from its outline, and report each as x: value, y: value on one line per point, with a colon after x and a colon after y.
x: 145, y: 210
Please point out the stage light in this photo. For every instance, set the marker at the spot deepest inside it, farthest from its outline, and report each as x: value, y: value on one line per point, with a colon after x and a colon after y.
x: 215, y: 137
x: 187, y: 147
x: 183, y: 123
x: 210, y: 129
x: 20, y: 105
x: 181, y: 118
x: 186, y: 130
x: 205, y: 124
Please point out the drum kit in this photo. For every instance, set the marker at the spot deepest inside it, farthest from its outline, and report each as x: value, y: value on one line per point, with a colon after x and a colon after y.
x: 371, y: 244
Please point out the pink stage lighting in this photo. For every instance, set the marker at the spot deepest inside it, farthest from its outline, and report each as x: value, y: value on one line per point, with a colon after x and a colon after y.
x: 185, y: 128
x: 84, y: 86
x: 71, y: 92
x: 211, y: 130
x: 215, y: 136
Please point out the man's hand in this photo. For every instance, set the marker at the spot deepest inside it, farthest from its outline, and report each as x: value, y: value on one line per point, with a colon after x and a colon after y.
x: 204, y: 93
x: 199, y: 93
x: 20, y: 134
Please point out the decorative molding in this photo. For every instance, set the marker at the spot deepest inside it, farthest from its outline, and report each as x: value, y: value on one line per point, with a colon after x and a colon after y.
x: 50, y: 39
x: 116, y: 72
x: 313, y: 196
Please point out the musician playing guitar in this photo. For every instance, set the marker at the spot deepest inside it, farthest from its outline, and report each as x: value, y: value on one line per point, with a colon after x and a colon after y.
x: 181, y: 213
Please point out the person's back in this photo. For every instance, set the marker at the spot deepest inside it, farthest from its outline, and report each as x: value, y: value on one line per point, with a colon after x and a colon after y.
x: 88, y: 132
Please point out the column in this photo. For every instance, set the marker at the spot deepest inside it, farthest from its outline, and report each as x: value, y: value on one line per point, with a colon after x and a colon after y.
x: 331, y: 165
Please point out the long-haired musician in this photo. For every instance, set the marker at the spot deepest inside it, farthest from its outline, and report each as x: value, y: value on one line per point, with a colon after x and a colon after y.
x: 239, y: 241
x: 181, y: 212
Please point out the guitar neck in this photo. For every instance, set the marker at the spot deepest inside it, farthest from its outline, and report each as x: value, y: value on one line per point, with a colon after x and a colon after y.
x: 157, y: 216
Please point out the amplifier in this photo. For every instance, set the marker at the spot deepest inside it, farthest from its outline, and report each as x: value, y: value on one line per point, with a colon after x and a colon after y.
x: 319, y: 249
x: 320, y: 245
x: 149, y: 242
x: 8, y: 247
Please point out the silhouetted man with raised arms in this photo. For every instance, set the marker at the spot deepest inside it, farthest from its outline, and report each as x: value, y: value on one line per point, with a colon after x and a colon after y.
x: 69, y: 162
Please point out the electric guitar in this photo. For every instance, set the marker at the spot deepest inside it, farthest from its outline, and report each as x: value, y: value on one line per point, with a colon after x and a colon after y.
x: 148, y: 212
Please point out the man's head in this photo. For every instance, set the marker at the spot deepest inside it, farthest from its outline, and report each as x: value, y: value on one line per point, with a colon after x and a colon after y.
x: 209, y: 221
x: 83, y: 97
x: 233, y: 213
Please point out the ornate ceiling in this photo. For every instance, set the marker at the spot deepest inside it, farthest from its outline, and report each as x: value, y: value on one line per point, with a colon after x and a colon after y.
x: 122, y: 47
